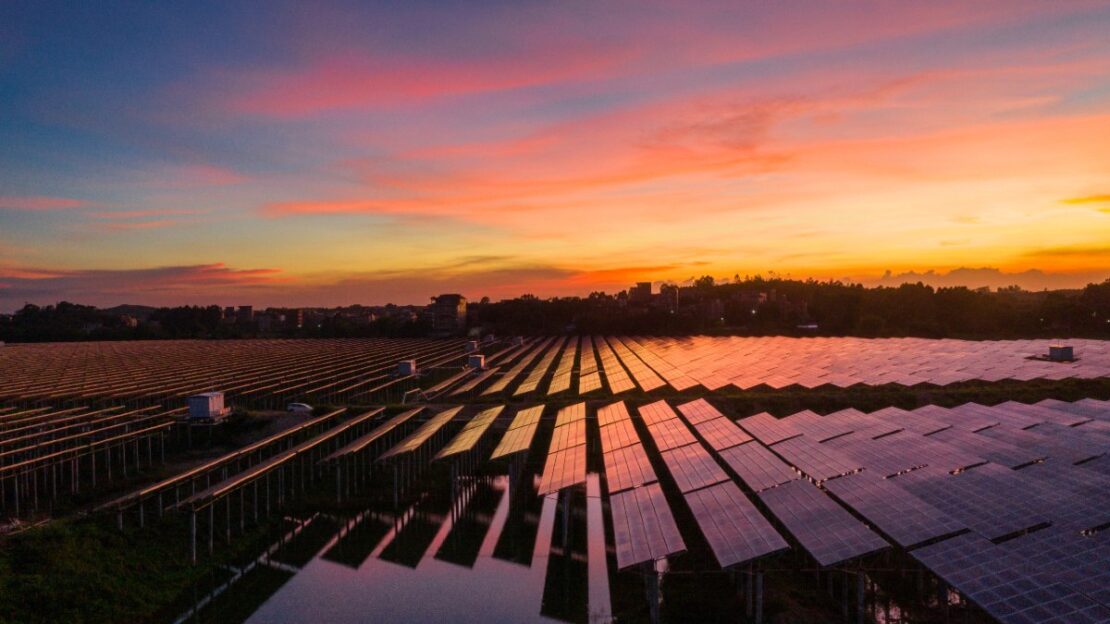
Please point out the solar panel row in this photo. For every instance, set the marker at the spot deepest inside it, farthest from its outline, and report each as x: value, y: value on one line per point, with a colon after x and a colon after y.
x: 643, y: 526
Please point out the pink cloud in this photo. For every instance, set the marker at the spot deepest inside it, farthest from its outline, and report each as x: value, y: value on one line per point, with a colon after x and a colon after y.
x: 125, y: 226
x: 359, y: 80
x: 41, y: 203
x: 153, y: 212
x: 174, y: 285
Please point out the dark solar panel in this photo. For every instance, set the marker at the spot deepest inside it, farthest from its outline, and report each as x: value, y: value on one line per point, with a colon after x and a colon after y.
x: 768, y: 429
x: 818, y: 461
x: 643, y: 527
x: 989, y: 448
x: 1004, y: 584
x: 758, y: 467
x: 721, y: 433
x: 902, y: 516
x: 737, y: 533
x: 991, y: 500
x: 824, y: 529
x: 693, y: 467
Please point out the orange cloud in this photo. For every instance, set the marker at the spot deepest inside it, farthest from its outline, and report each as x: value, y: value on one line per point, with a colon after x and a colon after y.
x: 1089, y: 199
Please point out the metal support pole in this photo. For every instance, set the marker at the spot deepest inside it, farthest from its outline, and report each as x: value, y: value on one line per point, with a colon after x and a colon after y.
x: 860, y: 580
x: 749, y: 592
x: 193, y: 536
x: 759, y: 597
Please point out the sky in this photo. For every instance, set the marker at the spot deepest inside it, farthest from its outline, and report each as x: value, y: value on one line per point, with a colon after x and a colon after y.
x: 336, y: 153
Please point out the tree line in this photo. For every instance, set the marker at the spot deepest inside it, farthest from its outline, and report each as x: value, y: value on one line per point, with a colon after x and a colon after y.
x: 750, y: 306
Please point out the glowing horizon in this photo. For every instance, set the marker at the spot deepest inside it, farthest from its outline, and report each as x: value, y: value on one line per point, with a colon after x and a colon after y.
x: 348, y: 155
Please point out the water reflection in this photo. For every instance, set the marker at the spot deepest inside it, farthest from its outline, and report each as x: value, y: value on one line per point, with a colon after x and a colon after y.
x: 472, y: 558
x: 490, y: 549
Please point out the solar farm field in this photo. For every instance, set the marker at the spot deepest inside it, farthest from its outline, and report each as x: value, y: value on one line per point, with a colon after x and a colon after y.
x: 254, y: 372
x: 600, y: 477
x: 353, y: 371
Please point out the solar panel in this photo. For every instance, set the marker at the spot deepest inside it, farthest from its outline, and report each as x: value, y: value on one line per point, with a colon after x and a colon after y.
x: 568, y: 435
x: 618, y: 435
x: 657, y: 412
x: 735, y: 530
x: 611, y: 414
x: 1003, y: 584
x: 903, y: 517
x: 1068, y: 557
x: 643, y: 527
x: 471, y: 433
x: 885, y: 456
x: 563, y: 469
x: 571, y: 413
x: 819, y: 462
x: 768, y: 429
x: 521, y: 431
x: 627, y: 468
x: 515, y: 441
x: 669, y: 434
x: 824, y: 529
x: 721, y: 433
x: 988, y: 448
x: 818, y: 427
x: 423, y: 433
x: 758, y: 467
x: 693, y: 467
x: 915, y: 421
x: 991, y: 500
x: 699, y: 411
x: 1040, y: 441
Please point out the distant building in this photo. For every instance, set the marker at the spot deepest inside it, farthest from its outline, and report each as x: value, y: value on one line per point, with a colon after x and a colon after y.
x: 448, y: 314
x: 668, y: 297
x: 714, y: 310
x: 128, y: 321
x: 265, y: 322
x: 640, y: 293
x: 245, y: 314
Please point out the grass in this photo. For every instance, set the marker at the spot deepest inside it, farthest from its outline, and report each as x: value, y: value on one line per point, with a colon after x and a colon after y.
x: 83, y: 570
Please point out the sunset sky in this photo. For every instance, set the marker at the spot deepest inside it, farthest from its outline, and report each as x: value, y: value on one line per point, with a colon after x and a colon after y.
x: 255, y: 153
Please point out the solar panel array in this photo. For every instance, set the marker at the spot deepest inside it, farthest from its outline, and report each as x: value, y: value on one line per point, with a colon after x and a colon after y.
x: 824, y: 529
x: 735, y: 530
x: 644, y: 528
x: 746, y: 362
x: 540, y: 370
x: 423, y: 433
x: 589, y: 379
x: 1009, y: 500
x: 1009, y: 587
x: 168, y: 371
x: 465, y: 440
x: 521, y: 431
x: 903, y: 517
x: 629, y: 363
x: 560, y: 381
x: 566, y: 459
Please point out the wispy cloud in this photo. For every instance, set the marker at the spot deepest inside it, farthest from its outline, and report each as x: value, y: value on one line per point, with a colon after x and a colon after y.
x: 42, y: 203
x: 1032, y: 279
x: 1087, y: 199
